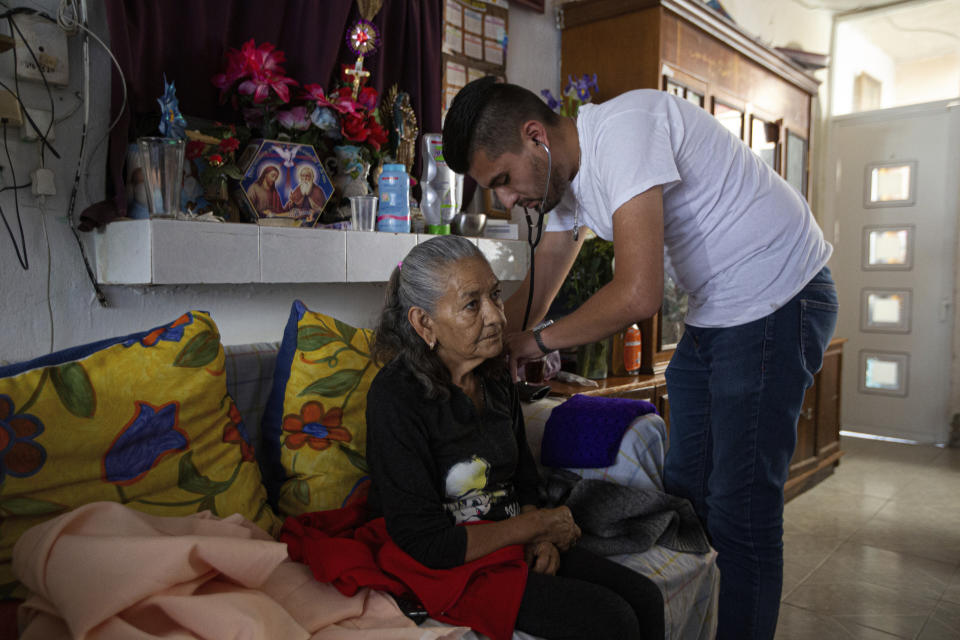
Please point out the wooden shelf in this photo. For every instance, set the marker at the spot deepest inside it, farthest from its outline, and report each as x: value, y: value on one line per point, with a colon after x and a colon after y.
x: 172, y: 252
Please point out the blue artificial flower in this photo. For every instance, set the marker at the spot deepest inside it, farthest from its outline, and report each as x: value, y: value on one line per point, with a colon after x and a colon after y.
x: 324, y: 119
x: 143, y: 442
x: 172, y: 122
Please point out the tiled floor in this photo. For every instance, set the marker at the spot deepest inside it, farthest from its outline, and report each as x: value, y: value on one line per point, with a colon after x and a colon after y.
x: 873, y: 552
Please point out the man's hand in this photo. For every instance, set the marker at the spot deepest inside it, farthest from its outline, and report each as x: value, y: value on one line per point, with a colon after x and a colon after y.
x: 521, y: 347
x: 543, y: 557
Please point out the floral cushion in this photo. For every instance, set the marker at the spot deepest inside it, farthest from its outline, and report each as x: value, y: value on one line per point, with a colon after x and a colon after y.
x: 144, y: 420
x: 315, y: 426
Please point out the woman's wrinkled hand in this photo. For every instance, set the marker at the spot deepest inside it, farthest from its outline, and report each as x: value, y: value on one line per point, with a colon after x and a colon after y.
x: 543, y: 557
x: 557, y: 527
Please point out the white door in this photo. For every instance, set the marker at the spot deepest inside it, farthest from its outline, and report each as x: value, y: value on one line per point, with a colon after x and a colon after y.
x: 895, y: 207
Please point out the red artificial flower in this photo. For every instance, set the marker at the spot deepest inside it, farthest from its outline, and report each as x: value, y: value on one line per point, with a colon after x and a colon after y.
x: 367, y: 98
x: 228, y: 145
x: 378, y: 135
x: 194, y: 149
x: 216, y: 159
x: 354, y: 128
x: 259, y: 68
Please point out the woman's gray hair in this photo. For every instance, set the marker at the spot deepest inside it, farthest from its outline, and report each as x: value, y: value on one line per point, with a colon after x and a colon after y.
x: 420, y: 280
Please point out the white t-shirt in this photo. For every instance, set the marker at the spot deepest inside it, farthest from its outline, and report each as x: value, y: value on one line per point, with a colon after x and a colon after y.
x: 738, y: 239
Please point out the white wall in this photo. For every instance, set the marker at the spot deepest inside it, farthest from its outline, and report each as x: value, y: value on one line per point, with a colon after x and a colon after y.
x: 927, y: 80
x: 855, y: 54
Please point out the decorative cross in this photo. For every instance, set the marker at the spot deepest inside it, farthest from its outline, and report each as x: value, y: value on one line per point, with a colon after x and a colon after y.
x: 359, y: 75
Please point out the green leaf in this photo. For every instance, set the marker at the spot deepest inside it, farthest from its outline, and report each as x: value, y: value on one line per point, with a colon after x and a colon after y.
x: 301, y: 491
x: 74, y: 388
x: 313, y: 337
x: 29, y: 507
x: 190, y: 479
x: 357, y: 460
x: 232, y: 171
x: 200, y: 351
x: 334, y: 386
x: 345, y: 330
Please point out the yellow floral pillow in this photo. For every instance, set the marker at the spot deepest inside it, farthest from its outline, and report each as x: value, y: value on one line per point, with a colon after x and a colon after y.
x: 144, y: 420
x: 314, y: 426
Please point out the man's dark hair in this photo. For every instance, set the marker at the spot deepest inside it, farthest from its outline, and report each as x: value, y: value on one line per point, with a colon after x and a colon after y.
x: 487, y: 115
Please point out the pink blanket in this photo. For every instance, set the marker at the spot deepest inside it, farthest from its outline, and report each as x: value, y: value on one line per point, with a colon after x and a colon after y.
x: 108, y: 572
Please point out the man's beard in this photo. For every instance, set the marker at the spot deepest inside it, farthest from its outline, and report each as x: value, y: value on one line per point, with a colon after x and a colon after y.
x: 305, y: 188
x: 556, y: 188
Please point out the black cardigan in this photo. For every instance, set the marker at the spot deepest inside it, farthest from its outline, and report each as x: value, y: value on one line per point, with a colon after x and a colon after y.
x: 436, y: 463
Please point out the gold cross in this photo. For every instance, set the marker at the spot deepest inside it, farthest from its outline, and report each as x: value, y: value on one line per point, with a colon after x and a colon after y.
x: 359, y: 75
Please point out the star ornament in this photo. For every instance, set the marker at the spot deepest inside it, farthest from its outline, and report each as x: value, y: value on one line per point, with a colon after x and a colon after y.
x: 363, y: 38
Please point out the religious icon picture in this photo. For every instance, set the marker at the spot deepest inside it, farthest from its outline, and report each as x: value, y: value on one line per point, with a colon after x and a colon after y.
x: 284, y: 184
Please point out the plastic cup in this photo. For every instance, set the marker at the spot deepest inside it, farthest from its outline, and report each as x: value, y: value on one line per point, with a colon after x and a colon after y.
x: 161, y: 160
x: 363, y: 209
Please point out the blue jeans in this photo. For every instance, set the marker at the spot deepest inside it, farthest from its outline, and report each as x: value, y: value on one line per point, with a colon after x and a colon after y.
x: 735, y: 396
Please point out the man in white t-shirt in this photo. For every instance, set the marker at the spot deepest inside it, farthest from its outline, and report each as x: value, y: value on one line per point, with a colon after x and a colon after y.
x: 670, y: 186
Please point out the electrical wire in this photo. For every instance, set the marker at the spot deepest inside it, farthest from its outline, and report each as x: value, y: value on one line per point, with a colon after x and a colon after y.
x: 42, y: 204
x: 71, y: 206
x: 23, y: 259
x: 43, y: 76
x: 33, y: 124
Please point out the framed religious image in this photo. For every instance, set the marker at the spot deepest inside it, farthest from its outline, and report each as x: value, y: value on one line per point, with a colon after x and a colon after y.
x: 284, y: 184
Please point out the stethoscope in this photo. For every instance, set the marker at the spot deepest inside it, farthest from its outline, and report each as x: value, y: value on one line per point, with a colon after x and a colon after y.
x: 533, y: 242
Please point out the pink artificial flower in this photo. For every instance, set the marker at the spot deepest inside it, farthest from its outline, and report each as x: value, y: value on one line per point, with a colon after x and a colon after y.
x: 260, y: 83
x: 315, y: 92
x: 295, y: 118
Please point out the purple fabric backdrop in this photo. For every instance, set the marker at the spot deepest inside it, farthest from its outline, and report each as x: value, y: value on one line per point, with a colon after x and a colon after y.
x: 187, y: 40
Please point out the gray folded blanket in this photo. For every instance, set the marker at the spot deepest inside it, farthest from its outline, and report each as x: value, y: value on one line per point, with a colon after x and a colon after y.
x: 616, y: 519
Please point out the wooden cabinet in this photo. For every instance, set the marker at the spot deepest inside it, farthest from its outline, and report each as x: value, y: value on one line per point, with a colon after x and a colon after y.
x: 818, y: 428
x: 686, y: 48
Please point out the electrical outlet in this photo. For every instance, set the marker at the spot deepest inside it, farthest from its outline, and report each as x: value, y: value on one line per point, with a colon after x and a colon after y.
x: 42, y: 118
x: 49, y: 45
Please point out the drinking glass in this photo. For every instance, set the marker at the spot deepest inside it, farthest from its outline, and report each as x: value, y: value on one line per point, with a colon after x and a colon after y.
x: 363, y: 209
x: 161, y: 160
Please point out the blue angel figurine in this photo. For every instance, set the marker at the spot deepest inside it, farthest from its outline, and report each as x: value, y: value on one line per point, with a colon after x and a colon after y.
x: 172, y: 122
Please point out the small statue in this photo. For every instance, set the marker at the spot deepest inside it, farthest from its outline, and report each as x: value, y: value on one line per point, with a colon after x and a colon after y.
x: 405, y: 121
x: 398, y: 117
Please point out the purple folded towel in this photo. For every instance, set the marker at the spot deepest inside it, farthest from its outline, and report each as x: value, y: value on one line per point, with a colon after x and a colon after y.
x: 585, y: 431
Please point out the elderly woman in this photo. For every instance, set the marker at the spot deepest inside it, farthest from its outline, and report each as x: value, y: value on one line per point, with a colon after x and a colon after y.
x: 446, y: 445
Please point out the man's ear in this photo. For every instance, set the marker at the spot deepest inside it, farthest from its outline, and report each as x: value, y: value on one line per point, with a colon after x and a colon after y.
x: 534, y: 131
x: 422, y: 323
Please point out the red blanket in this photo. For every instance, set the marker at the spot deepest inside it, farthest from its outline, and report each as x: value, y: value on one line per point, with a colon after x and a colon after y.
x: 341, y: 548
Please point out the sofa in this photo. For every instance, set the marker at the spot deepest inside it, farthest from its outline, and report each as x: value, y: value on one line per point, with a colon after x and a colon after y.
x: 274, y: 419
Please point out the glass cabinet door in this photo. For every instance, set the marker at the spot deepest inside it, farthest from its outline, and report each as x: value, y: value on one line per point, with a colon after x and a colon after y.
x: 796, y: 170
x: 764, y: 137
